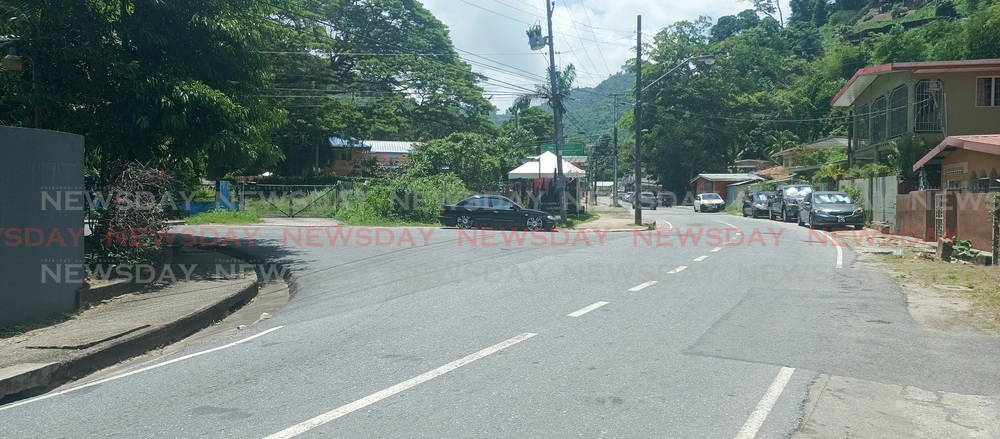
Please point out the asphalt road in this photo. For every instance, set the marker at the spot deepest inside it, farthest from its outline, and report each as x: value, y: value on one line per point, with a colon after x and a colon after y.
x: 463, y: 335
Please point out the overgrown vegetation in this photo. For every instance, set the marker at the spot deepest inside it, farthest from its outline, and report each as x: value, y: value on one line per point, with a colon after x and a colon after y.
x: 128, y: 227
x: 224, y: 217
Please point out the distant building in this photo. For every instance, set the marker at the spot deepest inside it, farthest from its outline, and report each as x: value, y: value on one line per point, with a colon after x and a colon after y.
x: 390, y: 154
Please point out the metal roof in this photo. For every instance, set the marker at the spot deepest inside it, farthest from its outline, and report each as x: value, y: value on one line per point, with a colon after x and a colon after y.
x: 726, y: 177
x: 989, y: 144
x: 864, y: 77
x: 391, y: 147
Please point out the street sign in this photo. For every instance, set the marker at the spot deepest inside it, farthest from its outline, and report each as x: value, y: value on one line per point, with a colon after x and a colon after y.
x: 574, y: 149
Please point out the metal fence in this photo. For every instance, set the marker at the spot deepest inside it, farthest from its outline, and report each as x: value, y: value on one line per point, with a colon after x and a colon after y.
x: 292, y: 200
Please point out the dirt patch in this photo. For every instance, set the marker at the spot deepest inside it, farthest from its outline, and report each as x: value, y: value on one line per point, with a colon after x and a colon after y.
x: 953, y: 297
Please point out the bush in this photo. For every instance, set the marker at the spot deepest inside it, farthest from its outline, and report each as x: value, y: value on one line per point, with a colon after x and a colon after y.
x: 899, y: 10
x: 401, y: 200
x: 127, y: 231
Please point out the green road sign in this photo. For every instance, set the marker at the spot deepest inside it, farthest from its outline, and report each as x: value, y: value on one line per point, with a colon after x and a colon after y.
x: 567, y: 149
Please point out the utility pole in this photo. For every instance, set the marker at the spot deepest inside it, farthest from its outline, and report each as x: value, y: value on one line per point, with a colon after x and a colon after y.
x: 557, y: 114
x: 614, y: 192
x: 638, y: 120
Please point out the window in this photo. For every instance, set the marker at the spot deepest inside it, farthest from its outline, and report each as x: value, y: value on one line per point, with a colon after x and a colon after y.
x: 878, y: 120
x: 861, y: 126
x: 927, y: 107
x: 988, y: 92
x: 994, y: 181
x: 983, y: 185
x: 955, y: 185
x: 897, y: 111
x: 833, y: 199
x: 342, y: 154
x: 973, y: 182
x: 707, y: 187
x: 501, y: 203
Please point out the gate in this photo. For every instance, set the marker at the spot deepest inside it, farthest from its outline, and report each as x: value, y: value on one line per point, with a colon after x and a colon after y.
x: 296, y: 199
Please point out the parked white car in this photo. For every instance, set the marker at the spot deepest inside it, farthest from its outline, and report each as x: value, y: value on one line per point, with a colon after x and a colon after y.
x: 710, y: 202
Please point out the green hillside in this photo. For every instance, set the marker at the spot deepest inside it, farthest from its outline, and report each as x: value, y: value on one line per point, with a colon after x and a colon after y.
x: 773, y: 85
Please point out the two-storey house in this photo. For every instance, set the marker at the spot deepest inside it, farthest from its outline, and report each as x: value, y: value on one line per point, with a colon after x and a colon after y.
x: 932, y: 100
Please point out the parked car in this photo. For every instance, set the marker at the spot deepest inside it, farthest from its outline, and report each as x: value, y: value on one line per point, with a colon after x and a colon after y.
x: 666, y: 200
x: 628, y: 197
x: 756, y: 203
x: 785, y: 202
x: 710, y: 202
x: 830, y: 209
x: 645, y: 200
x: 494, y: 211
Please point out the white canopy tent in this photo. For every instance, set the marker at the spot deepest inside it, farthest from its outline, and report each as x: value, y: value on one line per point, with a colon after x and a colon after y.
x: 545, y: 167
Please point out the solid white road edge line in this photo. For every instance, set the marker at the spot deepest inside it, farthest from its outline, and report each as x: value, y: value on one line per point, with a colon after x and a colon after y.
x: 587, y: 309
x: 140, y: 370
x: 840, y: 252
x: 765, y: 405
x: 716, y: 249
x: 700, y: 258
x: 345, y: 409
x: 643, y: 285
x: 677, y: 270
x: 723, y: 222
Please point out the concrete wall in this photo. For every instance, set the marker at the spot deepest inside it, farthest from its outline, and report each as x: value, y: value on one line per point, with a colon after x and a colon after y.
x: 915, y: 214
x: 974, y: 222
x: 959, y: 165
x: 34, y: 163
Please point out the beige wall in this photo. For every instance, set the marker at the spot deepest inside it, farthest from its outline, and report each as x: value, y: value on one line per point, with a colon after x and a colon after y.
x: 962, y: 116
x: 960, y: 165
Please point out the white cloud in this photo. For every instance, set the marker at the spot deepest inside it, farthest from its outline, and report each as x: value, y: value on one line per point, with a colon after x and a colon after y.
x: 597, y: 36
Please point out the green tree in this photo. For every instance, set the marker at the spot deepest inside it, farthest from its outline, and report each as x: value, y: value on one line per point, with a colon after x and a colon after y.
x: 536, y: 122
x: 466, y: 155
x: 173, y: 84
x: 983, y: 33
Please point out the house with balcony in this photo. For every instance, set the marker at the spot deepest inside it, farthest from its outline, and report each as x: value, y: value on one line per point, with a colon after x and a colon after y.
x: 928, y: 100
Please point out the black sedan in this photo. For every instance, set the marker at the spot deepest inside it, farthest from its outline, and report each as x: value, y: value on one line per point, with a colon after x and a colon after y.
x: 494, y: 212
x: 830, y: 209
x: 756, y: 203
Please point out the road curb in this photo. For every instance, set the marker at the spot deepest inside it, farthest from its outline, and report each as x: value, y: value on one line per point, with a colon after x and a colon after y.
x: 31, y: 381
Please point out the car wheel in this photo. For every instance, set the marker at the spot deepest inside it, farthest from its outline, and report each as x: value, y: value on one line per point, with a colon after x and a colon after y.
x: 744, y: 213
x: 800, y: 221
x: 534, y: 223
x: 702, y: 208
x: 812, y: 221
x: 859, y: 227
x: 695, y: 209
x: 784, y: 215
x: 464, y: 222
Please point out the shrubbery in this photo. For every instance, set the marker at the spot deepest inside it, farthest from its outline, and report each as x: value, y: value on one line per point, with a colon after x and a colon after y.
x: 404, y: 200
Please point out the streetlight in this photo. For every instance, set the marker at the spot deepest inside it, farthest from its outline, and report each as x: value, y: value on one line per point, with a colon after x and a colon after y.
x: 13, y: 62
x: 707, y: 59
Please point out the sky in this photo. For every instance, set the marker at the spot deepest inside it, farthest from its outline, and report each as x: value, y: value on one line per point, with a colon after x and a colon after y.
x: 596, y: 36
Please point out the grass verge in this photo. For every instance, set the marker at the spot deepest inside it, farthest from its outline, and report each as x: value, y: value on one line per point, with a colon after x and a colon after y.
x: 223, y: 217
x: 576, y: 220
x: 979, y: 284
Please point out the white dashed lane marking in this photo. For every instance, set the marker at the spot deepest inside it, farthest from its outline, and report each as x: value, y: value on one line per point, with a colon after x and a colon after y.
x: 642, y: 285
x: 587, y: 309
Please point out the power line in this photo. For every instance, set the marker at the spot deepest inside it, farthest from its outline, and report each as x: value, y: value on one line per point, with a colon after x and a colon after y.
x: 601, y: 52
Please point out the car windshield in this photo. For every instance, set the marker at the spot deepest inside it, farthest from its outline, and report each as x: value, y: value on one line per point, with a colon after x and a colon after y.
x: 711, y: 197
x: 761, y: 197
x: 798, y: 191
x: 648, y: 194
x: 832, y: 199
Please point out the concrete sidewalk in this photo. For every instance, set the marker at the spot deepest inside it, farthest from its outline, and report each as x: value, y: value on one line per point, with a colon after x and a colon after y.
x: 206, y: 291
x: 609, y: 218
